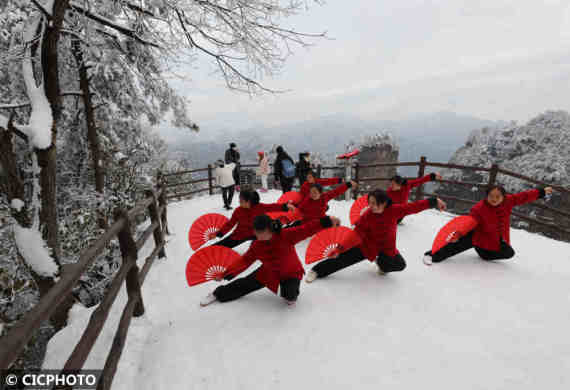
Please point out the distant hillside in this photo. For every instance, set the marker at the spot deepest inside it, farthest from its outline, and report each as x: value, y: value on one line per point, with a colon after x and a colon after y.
x: 436, y: 136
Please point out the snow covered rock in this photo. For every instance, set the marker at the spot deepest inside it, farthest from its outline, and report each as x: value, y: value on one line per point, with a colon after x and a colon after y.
x: 539, y: 149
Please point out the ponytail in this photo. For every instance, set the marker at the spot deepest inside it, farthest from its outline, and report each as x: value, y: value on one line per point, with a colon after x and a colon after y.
x: 250, y: 196
x: 264, y: 222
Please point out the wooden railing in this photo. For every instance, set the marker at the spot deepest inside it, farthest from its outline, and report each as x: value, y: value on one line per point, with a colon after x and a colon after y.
x: 494, y: 170
x: 14, y: 342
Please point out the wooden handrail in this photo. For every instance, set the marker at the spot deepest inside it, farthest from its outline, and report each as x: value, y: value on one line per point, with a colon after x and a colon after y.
x: 398, y: 164
x: 529, y: 179
x: 14, y: 342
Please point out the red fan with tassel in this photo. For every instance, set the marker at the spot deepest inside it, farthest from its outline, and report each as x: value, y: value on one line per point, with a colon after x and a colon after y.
x: 293, y: 196
x: 330, y: 243
x: 202, y: 228
x: 359, y: 207
x: 212, y: 263
x: 456, y: 228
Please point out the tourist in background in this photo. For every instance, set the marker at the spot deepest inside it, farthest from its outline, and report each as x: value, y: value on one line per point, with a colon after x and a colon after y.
x: 224, y: 178
x: 232, y: 156
x: 263, y: 170
x: 284, y: 169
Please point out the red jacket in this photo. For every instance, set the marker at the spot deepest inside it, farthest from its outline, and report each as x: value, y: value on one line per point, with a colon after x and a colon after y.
x: 278, y: 255
x: 306, y: 187
x: 402, y: 195
x: 494, y: 223
x: 313, y: 209
x: 378, y: 231
x: 244, y: 219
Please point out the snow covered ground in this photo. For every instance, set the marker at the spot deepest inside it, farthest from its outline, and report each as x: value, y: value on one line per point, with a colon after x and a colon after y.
x: 462, y: 324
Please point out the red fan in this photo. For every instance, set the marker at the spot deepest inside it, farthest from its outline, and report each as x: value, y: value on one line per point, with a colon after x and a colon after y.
x: 359, y: 207
x: 211, y: 263
x: 293, y: 196
x: 461, y: 226
x: 203, y: 227
x: 331, y: 242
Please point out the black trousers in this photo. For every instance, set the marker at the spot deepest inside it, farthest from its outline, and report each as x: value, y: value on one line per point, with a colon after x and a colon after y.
x: 229, y: 242
x: 235, y: 174
x: 286, y: 184
x: 289, y: 288
x: 228, y: 195
x: 465, y: 243
x: 355, y: 255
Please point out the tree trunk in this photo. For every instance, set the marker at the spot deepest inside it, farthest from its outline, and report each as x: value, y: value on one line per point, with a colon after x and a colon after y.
x: 92, y: 136
x: 47, y: 158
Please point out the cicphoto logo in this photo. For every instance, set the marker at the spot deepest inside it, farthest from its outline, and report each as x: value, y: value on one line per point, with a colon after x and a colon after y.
x: 50, y: 379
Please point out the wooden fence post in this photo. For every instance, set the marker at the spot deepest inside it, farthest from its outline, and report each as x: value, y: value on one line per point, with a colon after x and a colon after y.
x: 158, y: 233
x: 319, y: 168
x: 421, y: 173
x: 210, y: 187
x: 357, y: 189
x: 493, y: 174
x: 129, y: 253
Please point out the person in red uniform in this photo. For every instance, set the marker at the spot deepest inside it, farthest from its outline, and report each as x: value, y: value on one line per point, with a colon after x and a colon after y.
x: 491, y: 238
x: 377, y: 230
x: 281, y: 268
x: 400, y: 188
x: 312, y: 179
x: 316, y: 204
x: 243, y: 217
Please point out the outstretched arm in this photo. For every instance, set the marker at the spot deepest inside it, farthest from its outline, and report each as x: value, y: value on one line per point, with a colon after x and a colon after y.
x: 228, y: 225
x: 299, y: 233
x: 529, y: 196
x: 329, y: 181
x: 421, y: 180
x: 247, y: 259
x: 274, y: 207
x: 338, y: 191
x: 420, y: 205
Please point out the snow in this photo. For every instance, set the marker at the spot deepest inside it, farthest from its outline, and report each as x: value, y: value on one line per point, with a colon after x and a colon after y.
x: 461, y: 324
x: 34, y: 251
x: 3, y: 122
x: 39, y: 128
x: 17, y: 204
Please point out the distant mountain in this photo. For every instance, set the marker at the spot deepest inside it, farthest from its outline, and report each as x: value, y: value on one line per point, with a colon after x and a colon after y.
x: 437, y: 136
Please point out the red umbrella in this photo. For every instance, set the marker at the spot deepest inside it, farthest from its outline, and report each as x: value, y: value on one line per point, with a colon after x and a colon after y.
x: 457, y: 227
x: 203, y: 227
x: 331, y: 242
x: 293, y: 196
x: 358, y: 208
x: 211, y: 263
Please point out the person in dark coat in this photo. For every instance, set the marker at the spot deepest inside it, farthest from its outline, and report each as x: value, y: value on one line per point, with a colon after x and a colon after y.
x: 491, y: 237
x: 303, y: 166
x: 280, y: 271
x: 232, y: 156
x: 377, y: 229
x: 284, y: 169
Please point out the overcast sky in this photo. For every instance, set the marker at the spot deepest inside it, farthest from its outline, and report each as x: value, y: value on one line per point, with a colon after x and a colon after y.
x: 495, y: 59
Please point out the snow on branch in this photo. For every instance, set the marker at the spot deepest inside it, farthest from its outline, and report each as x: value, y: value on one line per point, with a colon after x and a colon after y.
x: 35, y: 252
x: 106, y: 22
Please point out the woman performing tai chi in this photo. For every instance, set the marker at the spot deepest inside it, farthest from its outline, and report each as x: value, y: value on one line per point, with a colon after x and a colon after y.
x: 491, y: 236
x: 313, y: 179
x: 281, y: 268
x: 400, y: 188
x: 377, y: 229
x: 249, y: 208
